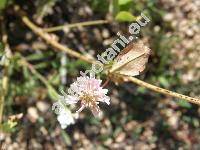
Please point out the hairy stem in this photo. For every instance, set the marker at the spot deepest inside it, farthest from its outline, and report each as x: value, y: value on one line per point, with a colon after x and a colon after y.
x: 34, y: 71
x: 163, y: 91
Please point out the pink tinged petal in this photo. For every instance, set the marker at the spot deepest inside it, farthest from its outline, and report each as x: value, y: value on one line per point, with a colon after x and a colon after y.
x: 107, y: 100
x: 105, y: 91
x: 93, y: 83
x: 96, y: 83
x: 74, y: 89
x: 91, y: 87
x: 104, y: 99
x: 96, y: 111
x: 80, y: 109
x: 71, y: 99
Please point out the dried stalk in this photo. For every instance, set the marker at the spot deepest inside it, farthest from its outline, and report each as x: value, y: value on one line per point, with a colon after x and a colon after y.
x: 163, y: 91
x: 80, y: 24
x: 54, y: 43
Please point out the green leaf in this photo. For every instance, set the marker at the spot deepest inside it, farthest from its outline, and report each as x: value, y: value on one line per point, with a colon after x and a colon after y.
x: 8, y: 126
x: 39, y: 56
x: 52, y: 93
x: 66, y: 137
x: 3, y: 4
x: 141, y: 90
x: 1, y: 47
x: 125, y: 16
x: 124, y: 2
x: 184, y: 104
x: 163, y: 81
x: 41, y: 65
x: 195, y: 122
x: 187, y: 119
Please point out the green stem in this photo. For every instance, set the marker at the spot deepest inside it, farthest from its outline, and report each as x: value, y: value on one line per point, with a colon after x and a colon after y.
x: 3, y: 92
x: 39, y: 76
x: 5, y: 78
x: 34, y: 71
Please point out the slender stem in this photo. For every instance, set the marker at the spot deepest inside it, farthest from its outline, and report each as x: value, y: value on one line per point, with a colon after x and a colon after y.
x: 25, y: 63
x: 163, y: 91
x: 54, y: 43
x: 43, y: 80
x: 3, y: 92
x: 5, y: 78
x: 71, y: 52
x: 106, y: 82
x: 88, y: 23
x: 34, y: 71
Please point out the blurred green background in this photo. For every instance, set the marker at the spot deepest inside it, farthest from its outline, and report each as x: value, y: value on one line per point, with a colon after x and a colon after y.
x: 137, y: 118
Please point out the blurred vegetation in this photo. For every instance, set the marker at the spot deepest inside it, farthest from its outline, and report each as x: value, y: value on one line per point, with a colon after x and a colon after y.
x: 137, y: 118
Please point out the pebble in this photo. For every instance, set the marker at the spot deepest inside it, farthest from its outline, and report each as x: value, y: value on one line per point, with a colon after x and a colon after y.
x: 168, y: 17
x: 33, y: 114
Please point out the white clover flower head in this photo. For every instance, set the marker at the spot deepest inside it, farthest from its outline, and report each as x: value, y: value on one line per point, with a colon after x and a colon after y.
x: 65, y: 118
x: 87, y: 91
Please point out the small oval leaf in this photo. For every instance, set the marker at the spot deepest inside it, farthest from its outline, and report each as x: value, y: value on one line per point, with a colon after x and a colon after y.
x: 125, y: 16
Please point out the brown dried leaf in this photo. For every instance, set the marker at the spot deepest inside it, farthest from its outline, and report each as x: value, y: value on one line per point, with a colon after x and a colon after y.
x: 132, y: 60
